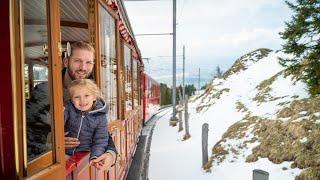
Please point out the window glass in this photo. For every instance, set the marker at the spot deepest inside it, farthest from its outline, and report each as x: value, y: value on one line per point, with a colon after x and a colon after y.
x: 128, y: 77
x: 135, y: 82
x: 35, y: 48
x: 108, y: 61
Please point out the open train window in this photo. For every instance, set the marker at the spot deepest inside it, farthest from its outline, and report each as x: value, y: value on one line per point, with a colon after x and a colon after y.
x: 108, y: 61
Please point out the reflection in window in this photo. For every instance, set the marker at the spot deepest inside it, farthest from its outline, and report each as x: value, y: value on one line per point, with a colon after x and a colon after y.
x: 108, y: 62
x: 35, y: 48
x: 135, y: 82
x: 128, y: 77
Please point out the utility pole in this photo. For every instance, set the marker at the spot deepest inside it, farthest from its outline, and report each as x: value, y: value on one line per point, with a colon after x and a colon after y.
x: 174, y: 119
x: 183, y: 66
x: 199, y: 82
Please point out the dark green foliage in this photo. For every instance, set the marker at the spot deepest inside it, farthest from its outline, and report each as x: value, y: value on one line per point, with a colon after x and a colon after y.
x: 302, y: 36
x: 218, y: 73
x: 204, y: 86
x: 189, y: 89
x: 166, y: 93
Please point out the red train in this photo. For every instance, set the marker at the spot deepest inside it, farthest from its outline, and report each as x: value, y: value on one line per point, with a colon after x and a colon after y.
x: 34, y: 36
x: 151, y: 97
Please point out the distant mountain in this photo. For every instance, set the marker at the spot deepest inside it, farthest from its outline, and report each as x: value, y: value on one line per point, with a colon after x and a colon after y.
x: 261, y: 112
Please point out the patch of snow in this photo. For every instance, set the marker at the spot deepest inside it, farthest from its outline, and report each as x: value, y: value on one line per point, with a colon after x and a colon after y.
x: 317, y: 121
x: 303, y: 112
x: 304, y: 140
x: 301, y: 119
x: 316, y: 114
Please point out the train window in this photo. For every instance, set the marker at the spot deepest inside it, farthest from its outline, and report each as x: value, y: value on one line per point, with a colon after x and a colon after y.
x: 128, y: 77
x: 108, y: 61
x: 135, y: 82
x: 36, y: 76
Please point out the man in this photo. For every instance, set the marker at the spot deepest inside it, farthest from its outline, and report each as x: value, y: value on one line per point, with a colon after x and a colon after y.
x: 79, y: 65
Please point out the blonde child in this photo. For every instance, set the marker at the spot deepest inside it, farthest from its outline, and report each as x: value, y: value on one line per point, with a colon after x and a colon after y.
x: 86, y: 118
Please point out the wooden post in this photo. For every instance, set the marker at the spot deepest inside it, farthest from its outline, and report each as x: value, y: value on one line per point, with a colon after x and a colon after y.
x: 260, y: 175
x: 205, y: 129
x: 180, y: 121
x: 180, y: 96
x: 186, y: 118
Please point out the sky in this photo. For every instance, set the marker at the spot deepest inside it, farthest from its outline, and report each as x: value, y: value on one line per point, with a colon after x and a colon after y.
x: 173, y: 158
x: 214, y: 33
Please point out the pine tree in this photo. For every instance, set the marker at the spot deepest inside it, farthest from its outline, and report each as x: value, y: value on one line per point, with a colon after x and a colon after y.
x: 166, y: 94
x: 218, y: 72
x: 204, y: 86
x: 302, y: 36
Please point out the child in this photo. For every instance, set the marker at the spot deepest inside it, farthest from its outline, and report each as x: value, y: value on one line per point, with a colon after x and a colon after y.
x: 86, y: 118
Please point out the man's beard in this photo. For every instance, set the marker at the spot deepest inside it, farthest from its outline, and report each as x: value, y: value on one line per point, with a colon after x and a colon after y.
x: 73, y: 76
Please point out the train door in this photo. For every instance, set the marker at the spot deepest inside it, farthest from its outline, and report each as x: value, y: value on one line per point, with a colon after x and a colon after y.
x: 37, y: 101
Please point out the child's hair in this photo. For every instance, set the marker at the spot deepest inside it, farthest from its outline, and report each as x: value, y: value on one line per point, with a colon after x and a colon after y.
x: 89, y: 84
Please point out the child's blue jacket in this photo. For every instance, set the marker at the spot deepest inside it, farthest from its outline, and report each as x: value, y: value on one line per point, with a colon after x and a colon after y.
x: 89, y: 127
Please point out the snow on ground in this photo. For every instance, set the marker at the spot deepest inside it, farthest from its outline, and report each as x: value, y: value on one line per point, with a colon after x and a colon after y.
x: 173, y: 158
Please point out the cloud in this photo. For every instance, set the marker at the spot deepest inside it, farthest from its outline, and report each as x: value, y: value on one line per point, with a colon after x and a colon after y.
x: 244, y: 37
x: 214, y: 32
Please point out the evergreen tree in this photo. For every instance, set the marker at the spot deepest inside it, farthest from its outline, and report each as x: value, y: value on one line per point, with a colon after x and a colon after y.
x: 204, y: 86
x: 302, y: 36
x: 218, y: 72
x: 190, y: 90
x: 166, y: 94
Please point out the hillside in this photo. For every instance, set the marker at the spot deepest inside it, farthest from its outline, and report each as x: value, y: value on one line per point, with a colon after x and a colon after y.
x: 262, y: 114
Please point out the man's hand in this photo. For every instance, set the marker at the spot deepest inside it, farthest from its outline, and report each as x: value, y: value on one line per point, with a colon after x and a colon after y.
x: 103, y: 162
x: 70, y: 142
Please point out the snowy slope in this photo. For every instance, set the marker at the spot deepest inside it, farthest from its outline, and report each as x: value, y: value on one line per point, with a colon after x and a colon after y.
x: 254, y: 93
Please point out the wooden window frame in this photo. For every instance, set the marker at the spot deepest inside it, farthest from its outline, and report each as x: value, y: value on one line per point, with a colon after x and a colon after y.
x: 135, y: 74
x: 93, y: 25
x: 39, y: 167
x: 125, y: 74
x: 94, y: 34
x: 99, y: 45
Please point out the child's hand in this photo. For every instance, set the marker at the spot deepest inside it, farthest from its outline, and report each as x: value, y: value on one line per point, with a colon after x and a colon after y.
x: 70, y: 142
x: 96, y: 163
x: 92, y: 163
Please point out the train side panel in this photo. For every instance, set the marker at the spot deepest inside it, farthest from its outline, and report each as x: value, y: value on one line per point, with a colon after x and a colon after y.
x: 151, y: 97
x: 7, y: 169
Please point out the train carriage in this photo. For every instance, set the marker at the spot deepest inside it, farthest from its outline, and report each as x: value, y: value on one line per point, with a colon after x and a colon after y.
x: 34, y: 39
x: 151, y: 96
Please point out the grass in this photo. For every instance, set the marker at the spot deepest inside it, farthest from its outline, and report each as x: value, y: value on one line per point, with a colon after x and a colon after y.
x: 264, y: 89
x: 239, y: 64
x: 279, y: 140
x: 241, y: 107
x: 215, y: 95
